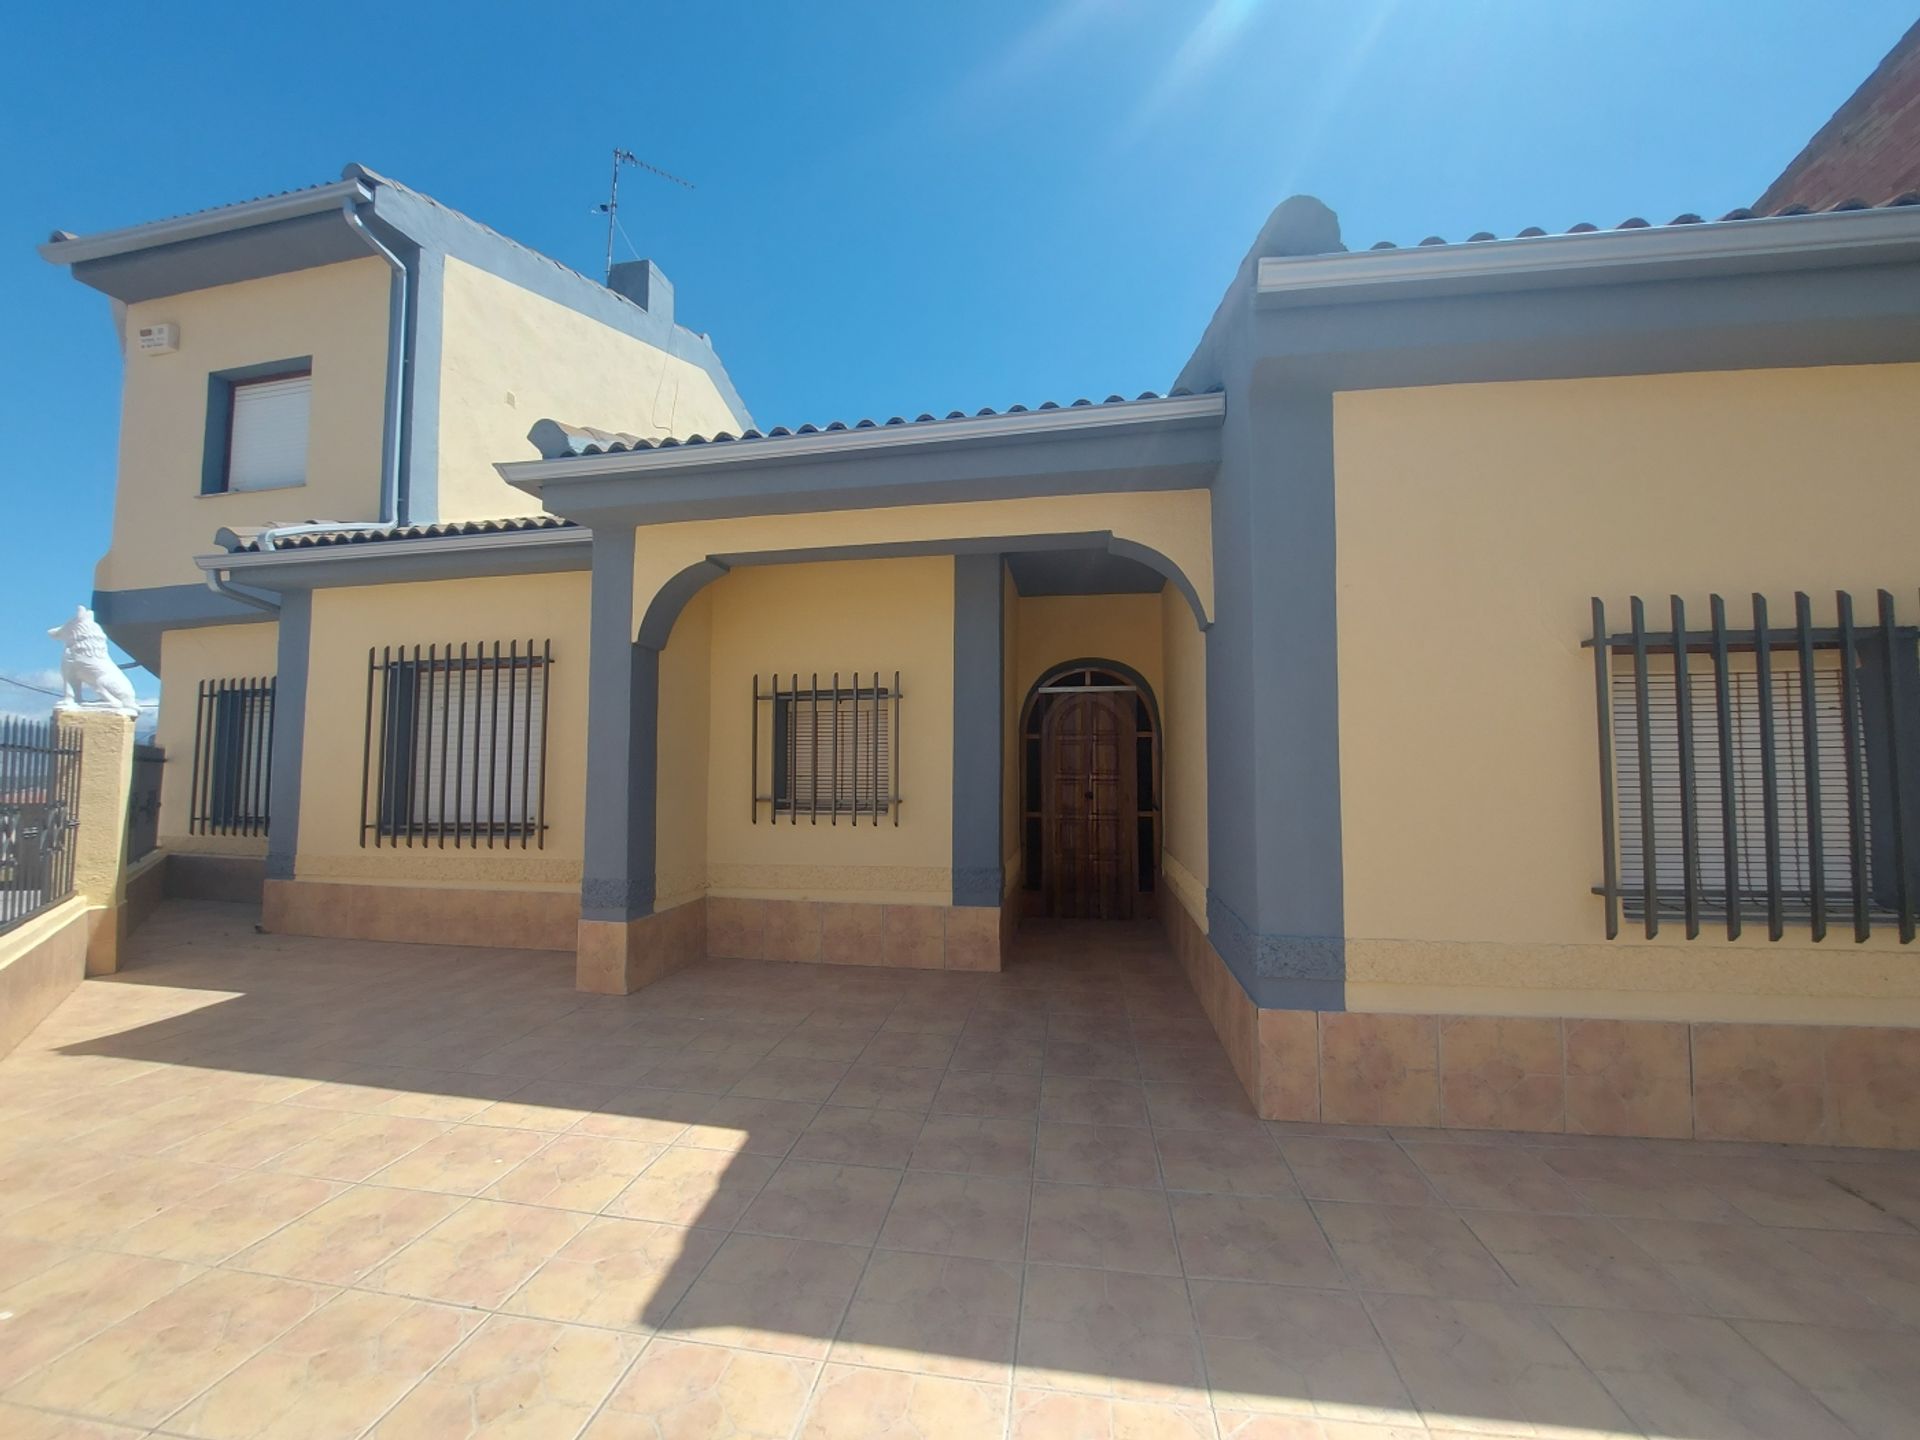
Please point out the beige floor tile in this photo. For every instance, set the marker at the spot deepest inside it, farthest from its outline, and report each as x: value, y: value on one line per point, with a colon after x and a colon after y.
x: 898, y: 1087
x: 808, y: 1200
x: 1869, y: 1379
x: 628, y: 1274
x: 1251, y: 1425
x: 464, y: 1161
x: 1479, y: 1366
x: 240, y: 1211
x: 855, y: 1404
x: 75, y: 1299
x: 916, y: 1050
x: 1639, y: 1183
x: 22, y: 1258
x: 975, y: 1145
x: 1373, y: 1172
x: 1277, y: 1349
x: 333, y: 1374
x: 987, y: 1093
x: 527, y: 1379
x: 447, y: 1096
x: 575, y: 1172
x: 338, y: 1242
x: 1220, y: 1106
x: 1236, y: 1163
x: 144, y: 1368
x: 1057, y: 1415
x: 685, y: 1186
x: 680, y: 1391
x: 1096, y: 1155
x: 767, y: 1292
x: 43, y: 1173
x: 1102, y: 1226
x: 1743, y: 1272
x: 130, y: 1194
x: 161, y: 1127
x: 1683, y: 1375
x: 937, y: 1314
x: 1252, y: 1237
x: 1494, y: 1177
x: 981, y: 1216
x: 19, y: 1423
x: 551, y: 1105
x: 791, y: 1078
x: 258, y: 1136
x: 992, y: 1048
x: 1781, y: 1192
x: 1412, y: 1250
x: 1092, y: 1100
x: 1576, y: 1260
x: 860, y: 1135
x: 1885, y: 1269
x: 1109, y: 1332
x: 647, y: 1114
x: 751, y: 1125
x: 358, y: 1146
x: 479, y: 1255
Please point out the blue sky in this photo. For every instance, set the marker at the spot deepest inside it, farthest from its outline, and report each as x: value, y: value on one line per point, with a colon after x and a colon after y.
x: 899, y: 207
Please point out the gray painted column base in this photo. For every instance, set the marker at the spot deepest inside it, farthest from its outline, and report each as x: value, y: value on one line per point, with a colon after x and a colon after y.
x: 1279, y: 972
x: 978, y: 885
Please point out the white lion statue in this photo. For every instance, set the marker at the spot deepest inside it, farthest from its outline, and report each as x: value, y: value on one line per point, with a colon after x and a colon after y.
x: 86, y: 662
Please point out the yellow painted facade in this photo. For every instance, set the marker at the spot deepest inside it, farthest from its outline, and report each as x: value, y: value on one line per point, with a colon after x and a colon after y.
x: 510, y: 357
x: 187, y: 657
x: 685, y: 749
x: 1490, y: 514
x: 345, y: 623
x: 1057, y: 628
x: 1183, y: 755
x: 867, y: 615
x: 335, y: 313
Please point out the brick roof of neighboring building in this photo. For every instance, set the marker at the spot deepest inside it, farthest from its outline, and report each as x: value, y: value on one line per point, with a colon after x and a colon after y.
x: 1870, y: 149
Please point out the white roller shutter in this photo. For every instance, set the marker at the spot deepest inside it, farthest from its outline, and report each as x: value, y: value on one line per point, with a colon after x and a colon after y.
x: 268, y: 448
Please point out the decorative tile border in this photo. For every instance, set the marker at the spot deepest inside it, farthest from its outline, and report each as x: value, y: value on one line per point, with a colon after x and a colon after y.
x: 1798, y: 1084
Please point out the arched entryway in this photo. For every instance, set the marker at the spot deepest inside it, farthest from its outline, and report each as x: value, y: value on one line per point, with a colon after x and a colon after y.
x: 1090, y: 793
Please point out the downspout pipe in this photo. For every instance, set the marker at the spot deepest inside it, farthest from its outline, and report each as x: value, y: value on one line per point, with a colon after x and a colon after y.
x: 398, y: 357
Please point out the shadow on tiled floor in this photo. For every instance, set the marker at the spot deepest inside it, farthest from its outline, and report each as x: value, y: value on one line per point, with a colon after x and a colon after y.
x: 264, y: 1186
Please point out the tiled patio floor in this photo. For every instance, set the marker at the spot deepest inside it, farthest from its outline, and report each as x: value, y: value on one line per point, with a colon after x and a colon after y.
x: 260, y: 1186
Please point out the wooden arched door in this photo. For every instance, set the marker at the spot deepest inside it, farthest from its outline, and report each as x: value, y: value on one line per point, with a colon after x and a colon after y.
x: 1089, y: 806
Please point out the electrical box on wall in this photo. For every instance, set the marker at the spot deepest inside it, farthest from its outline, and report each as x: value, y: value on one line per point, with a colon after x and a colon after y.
x: 161, y: 339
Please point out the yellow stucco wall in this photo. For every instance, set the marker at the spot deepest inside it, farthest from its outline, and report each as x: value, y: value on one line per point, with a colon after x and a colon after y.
x: 1177, y: 523
x: 345, y: 623
x: 884, y: 615
x: 1474, y: 523
x: 1183, y: 755
x: 1056, y: 628
x: 510, y: 357
x: 682, y: 779
x: 214, y: 652
x: 335, y: 313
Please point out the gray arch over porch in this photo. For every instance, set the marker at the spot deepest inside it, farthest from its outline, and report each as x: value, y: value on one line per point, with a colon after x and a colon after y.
x: 624, y: 693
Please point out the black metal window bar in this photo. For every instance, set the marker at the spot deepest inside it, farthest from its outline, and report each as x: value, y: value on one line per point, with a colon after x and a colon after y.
x: 456, y: 745
x: 232, y: 780
x: 835, y: 750
x: 1768, y: 773
x: 39, y: 809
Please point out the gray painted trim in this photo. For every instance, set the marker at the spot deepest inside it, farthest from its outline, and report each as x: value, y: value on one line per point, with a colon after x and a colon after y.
x: 219, y: 421
x: 245, y: 215
x: 295, y: 646
x: 1279, y: 972
x: 979, y: 723
x: 136, y: 619
x: 386, y: 562
x: 1778, y: 242
x: 1091, y: 662
x: 623, y: 718
x: 420, y: 454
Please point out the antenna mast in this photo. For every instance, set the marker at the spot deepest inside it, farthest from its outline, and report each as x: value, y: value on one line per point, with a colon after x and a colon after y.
x: 612, y: 208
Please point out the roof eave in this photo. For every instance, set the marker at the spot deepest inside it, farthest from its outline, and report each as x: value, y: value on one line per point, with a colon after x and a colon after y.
x: 1170, y: 413
x: 227, y: 218
x: 1850, y: 237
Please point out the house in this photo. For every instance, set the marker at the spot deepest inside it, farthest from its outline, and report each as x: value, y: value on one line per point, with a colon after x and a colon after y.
x: 1493, y: 662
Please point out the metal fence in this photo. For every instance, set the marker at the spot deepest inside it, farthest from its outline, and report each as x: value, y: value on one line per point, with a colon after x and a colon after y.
x: 232, y: 780
x: 143, y: 801
x: 39, y: 808
x: 1760, y: 773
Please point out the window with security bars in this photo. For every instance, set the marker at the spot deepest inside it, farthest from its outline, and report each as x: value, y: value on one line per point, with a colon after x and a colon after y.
x: 1760, y: 773
x: 456, y: 744
x: 232, y: 776
x: 834, y: 748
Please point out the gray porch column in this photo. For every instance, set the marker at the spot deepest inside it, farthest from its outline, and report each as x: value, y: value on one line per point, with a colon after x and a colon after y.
x: 289, y: 732
x: 978, y: 598
x: 623, y: 685
x: 1275, y: 900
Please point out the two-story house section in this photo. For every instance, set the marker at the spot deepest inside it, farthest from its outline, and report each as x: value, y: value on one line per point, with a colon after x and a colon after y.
x: 350, y: 354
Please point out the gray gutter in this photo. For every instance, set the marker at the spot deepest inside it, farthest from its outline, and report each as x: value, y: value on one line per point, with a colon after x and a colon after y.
x: 207, y: 222
x: 378, y: 562
x: 1769, y: 243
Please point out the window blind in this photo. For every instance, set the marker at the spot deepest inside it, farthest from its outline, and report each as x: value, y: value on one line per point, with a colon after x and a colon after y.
x: 834, y: 752
x: 267, y: 449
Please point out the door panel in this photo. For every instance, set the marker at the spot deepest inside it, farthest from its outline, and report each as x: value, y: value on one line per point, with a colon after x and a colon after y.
x: 1089, y: 808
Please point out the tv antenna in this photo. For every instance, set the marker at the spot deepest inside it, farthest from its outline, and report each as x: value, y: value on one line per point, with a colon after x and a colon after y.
x: 612, y: 208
